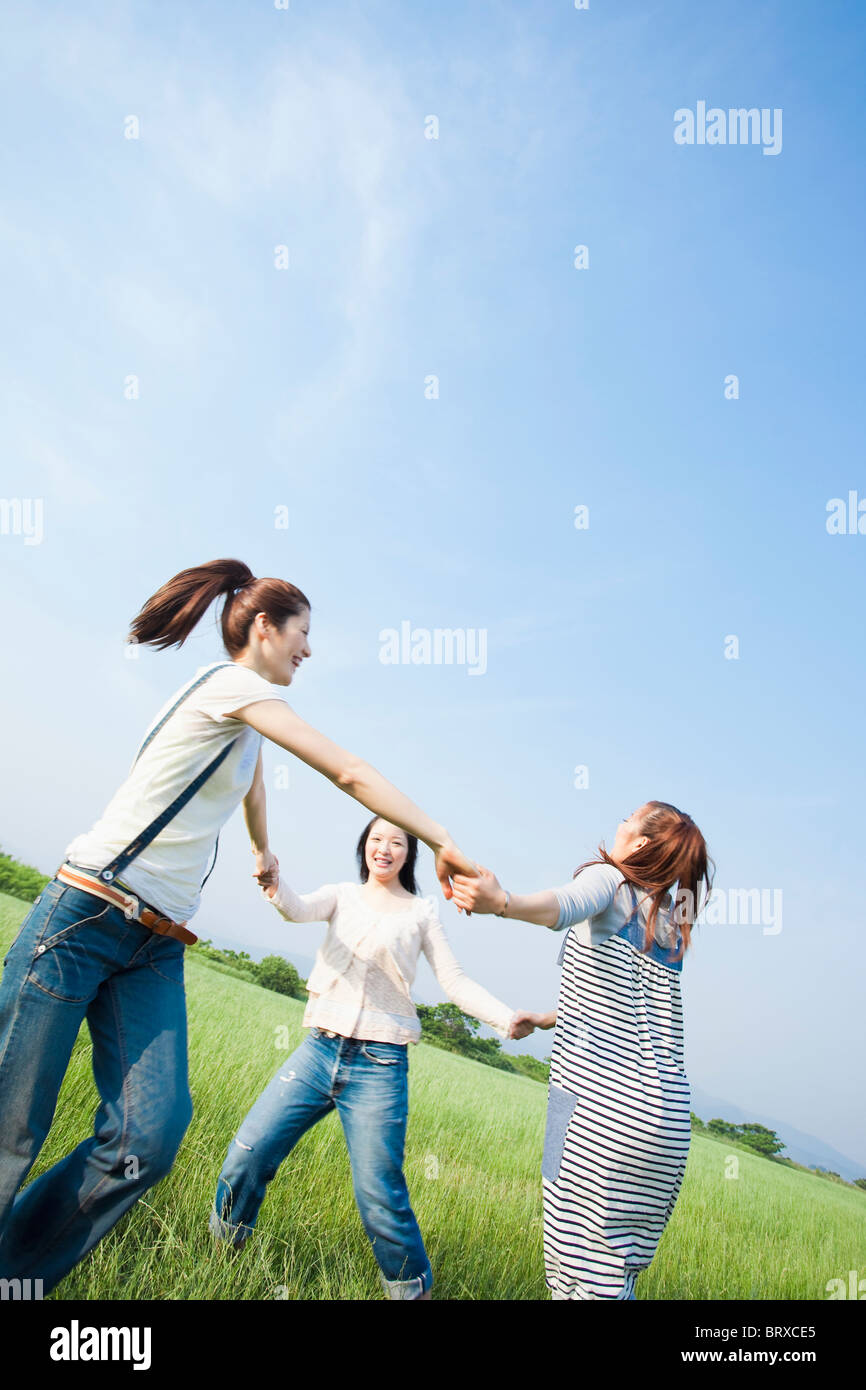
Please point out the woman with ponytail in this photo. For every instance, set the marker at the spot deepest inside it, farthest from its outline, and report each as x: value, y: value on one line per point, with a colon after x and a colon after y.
x: 618, y: 1122
x: 105, y: 939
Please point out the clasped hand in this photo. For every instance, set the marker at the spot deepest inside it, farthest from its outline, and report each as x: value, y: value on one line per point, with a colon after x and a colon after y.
x: 267, y: 870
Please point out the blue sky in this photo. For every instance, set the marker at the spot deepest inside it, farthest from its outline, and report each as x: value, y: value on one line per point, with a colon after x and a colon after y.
x: 304, y: 388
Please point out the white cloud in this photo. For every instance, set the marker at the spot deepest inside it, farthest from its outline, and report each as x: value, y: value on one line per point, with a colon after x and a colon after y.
x: 168, y: 320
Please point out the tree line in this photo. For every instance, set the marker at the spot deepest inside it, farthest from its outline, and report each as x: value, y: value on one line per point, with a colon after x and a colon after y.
x: 767, y: 1143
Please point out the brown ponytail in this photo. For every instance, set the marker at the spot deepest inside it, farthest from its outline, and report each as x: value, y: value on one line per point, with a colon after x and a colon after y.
x: 676, y: 853
x: 170, y: 615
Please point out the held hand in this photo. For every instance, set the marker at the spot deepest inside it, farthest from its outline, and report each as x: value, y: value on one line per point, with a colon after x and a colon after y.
x: 480, y: 894
x: 450, y: 861
x: 267, y: 870
x: 524, y: 1023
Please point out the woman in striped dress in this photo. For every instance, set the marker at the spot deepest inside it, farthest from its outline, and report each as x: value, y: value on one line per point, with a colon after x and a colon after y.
x: 617, y: 1134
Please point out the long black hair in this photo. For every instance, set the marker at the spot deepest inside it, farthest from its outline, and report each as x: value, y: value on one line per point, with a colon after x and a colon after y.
x: 407, y: 872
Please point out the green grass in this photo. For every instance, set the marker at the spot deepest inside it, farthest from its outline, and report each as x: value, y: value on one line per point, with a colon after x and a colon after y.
x: 472, y: 1163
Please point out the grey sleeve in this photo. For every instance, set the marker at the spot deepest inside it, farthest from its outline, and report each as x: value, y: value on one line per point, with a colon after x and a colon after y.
x: 587, y: 895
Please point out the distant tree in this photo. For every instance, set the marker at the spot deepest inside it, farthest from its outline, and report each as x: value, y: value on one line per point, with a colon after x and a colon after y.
x: 445, y: 1023
x: 762, y: 1140
x: 860, y: 1182
x: 757, y: 1137
x: 446, y: 1026
x: 20, y: 880
x: 277, y: 973
x: 723, y: 1128
x: 239, y: 956
x: 696, y: 1121
x: 243, y: 965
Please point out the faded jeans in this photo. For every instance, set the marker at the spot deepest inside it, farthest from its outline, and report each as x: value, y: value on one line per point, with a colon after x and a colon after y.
x: 77, y: 957
x: 368, y: 1085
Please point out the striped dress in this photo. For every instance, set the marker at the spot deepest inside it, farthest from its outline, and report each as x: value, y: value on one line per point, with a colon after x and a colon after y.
x: 617, y: 1134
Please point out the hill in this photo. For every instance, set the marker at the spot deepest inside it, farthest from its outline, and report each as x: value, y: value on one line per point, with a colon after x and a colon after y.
x: 803, y: 1148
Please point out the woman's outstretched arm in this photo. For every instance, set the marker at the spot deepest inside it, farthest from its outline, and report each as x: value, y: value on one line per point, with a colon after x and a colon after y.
x: 318, y: 906
x: 585, y: 896
x: 267, y: 870
x: 467, y: 994
x: 484, y: 893
x: 276, y: 721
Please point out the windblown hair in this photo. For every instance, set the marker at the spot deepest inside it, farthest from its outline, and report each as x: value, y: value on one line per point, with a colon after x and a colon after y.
x: 407, y: 873
x: 170, y: 615
x: 676, y: 853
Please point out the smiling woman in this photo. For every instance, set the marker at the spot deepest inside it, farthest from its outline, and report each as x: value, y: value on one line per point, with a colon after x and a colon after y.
x: 104, y: 940
x: 355, y: 1059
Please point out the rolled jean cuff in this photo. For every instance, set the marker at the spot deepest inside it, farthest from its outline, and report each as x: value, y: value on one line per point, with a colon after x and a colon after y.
x: 408, y: 1288
x: 235, y: 1235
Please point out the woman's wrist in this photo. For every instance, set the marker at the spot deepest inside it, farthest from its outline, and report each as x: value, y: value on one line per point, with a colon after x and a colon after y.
x: 439, y: 838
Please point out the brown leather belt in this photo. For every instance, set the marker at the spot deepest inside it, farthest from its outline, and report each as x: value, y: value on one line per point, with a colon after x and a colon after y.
x: 128, y: 903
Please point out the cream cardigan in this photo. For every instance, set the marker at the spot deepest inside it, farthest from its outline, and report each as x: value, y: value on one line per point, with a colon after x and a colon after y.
x: 360, y: 984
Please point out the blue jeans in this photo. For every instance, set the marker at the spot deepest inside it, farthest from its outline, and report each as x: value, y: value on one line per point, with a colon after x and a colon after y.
x: 368, y: 1085
x: 77, y: 957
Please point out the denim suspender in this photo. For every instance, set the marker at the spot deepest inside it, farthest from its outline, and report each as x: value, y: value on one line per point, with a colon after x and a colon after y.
x: 132, y: 851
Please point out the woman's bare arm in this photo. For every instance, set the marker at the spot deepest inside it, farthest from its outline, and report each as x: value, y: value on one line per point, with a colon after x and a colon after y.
x: 484, y: 893
x: 267, y: 870
x: 275, y: 720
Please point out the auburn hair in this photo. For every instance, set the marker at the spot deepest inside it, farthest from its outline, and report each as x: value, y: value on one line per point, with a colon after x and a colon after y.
x: 170, y: 615
x: 676, y: 853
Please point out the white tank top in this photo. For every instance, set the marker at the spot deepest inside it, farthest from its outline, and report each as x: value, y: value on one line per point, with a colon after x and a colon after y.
x: 169, y: 871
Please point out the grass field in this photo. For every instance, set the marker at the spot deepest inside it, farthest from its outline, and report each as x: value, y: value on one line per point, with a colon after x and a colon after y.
x: 472, y: 1164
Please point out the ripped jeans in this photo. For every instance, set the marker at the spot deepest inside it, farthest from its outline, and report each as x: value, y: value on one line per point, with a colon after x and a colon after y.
x: 368, y: 1085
